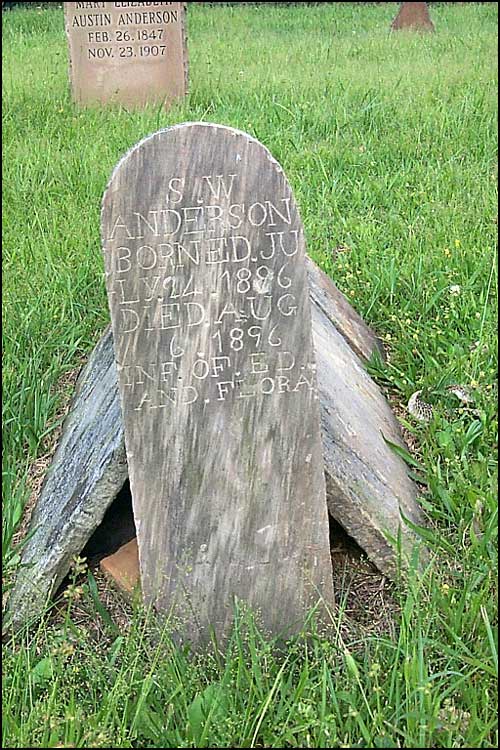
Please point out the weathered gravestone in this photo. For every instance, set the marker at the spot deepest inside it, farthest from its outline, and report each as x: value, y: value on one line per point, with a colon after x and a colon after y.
x: 368, y: 488
x: 413, y: 17
x: 369, y: 491
x: 205, y: 270
x: 127, y: 53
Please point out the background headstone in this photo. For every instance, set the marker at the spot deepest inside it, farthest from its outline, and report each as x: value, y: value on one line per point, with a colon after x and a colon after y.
x: 414, y: 17
x: 127, y: 53
x: 205, y: 269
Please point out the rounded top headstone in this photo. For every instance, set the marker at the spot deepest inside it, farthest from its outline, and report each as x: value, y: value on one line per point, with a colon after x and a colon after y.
x: 207, y: 284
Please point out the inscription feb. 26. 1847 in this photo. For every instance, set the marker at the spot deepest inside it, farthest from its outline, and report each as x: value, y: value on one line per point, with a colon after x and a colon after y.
x: 204, y: 256
x: 127, y: 53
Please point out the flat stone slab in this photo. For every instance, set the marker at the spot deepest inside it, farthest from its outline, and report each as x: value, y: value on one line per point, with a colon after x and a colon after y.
x: 367, y: 483
x: 334, y: 305
x: 88, y: 470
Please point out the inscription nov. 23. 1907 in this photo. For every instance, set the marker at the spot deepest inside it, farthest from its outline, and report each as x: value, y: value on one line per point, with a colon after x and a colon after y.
x: 127, y: 53
x: 204, y: 256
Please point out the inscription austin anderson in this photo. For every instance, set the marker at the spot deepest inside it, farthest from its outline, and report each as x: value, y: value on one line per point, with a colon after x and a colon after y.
x: 251, y: 294
x: 111, y: 33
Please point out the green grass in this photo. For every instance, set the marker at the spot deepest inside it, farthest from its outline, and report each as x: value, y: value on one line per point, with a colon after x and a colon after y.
x: 390, y: 144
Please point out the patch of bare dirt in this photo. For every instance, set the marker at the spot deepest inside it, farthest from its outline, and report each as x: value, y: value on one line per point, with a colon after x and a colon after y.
x: 365, y: 599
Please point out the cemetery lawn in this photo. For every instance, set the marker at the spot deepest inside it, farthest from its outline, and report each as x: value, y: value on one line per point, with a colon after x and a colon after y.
x: 390, y: 145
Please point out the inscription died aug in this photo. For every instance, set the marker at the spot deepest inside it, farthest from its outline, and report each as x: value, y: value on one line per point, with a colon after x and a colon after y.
x: 204, y: 258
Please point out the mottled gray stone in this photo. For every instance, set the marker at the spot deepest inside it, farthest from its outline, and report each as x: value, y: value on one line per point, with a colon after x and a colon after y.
x: 204, y: 254
x: 336, y: 308
x: 367, y: 483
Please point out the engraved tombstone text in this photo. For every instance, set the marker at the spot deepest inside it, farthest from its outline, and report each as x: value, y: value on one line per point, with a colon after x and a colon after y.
x: 204, y: 257
x: 126, y: 53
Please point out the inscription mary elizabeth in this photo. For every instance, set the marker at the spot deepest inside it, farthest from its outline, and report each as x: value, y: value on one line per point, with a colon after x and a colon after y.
x: 251, y: 287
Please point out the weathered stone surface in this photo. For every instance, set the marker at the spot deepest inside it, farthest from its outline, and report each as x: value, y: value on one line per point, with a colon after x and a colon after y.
x: 204, y: 257
x: 365, y: 487
x: 413, y: 17
x: 352, y: 327
x: 367, y: 483
x: 127, y: 53
x: 88, y: 470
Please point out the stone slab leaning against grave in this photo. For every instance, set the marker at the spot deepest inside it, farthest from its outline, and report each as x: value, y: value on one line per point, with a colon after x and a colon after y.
x: 367, y: 483
x: 89, y: 468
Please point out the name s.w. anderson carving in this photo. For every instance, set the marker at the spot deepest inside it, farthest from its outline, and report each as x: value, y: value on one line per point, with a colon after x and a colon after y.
x: 204, y: 256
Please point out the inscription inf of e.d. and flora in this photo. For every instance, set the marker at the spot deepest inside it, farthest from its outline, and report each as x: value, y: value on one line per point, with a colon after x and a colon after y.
x: 124, y: 30
x: 216, y: 285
